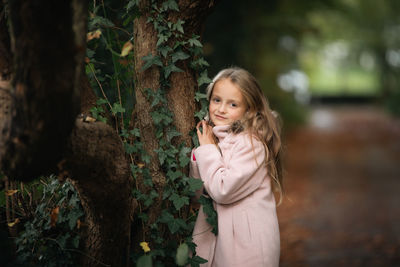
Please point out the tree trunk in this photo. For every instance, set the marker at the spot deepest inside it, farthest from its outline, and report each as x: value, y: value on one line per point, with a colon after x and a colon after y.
x: 38, y: 115
x: 48, y: 45
x: 97, y: 164
x: 182, y: 89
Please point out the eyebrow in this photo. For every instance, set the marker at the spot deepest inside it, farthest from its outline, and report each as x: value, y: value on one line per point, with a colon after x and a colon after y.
x: 229, y: 99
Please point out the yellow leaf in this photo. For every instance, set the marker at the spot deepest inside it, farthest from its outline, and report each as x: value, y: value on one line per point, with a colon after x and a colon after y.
x: 54, y: 216
x: 11, y: 224
x: 128, y: 46
x: 140, y: 165
x: 89, y: 119
x: 145, y: 246
x: 9, y: 193
x: 93, y: 35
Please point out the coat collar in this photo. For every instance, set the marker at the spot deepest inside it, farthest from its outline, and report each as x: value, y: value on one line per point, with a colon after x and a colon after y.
x: 221, y: 131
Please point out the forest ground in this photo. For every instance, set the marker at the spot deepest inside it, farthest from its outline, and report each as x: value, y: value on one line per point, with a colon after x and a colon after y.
x: 343, y: 189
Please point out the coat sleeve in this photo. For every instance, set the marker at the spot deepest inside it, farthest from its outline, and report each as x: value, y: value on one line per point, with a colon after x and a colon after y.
x: 228, y: 182
x: 194, y: 172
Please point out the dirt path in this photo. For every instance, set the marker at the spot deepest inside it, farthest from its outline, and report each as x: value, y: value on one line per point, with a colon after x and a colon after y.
x: 343, y: 190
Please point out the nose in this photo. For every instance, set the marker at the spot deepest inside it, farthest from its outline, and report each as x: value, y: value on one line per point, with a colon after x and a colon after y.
x: 222, y: 108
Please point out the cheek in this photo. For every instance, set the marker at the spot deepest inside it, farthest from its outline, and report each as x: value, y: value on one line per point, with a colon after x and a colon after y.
x: 211, y: 107
x: 239, y: 114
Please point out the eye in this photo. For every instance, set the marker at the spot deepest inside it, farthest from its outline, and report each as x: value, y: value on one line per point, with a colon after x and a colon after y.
x: 216, y: 100
x: 234, y: 105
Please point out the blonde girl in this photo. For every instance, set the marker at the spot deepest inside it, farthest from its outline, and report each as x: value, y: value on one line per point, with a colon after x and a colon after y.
x: 238, y: 161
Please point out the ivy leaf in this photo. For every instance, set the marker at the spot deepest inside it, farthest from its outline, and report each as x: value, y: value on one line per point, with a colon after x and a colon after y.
x: 198, y: 96
x: 162, y: 39
x: 117, y: 108
x: 75, y: 241
x: 161, y: 155
x: 135, y: 132
x: 144, y: 261
x: 196, y: 261
x: 101, y: 101
x: 149, y: 198
x: 171, y: 68
x: 179, y: 201
x: 183, y: 156
x: 208, y: 209
x: 195, y: 42
x: 203, y: 79
x: 200, y: 63
x: 173, y: 175
x: 171, y: 134
x: 178, y: 26
x: 73, y: 217
x: 164, y: 50
x: 179, y: 56
x: 151, y: 60
x: 131, y: 4
x: 170, y: 4
x: 195, y: 184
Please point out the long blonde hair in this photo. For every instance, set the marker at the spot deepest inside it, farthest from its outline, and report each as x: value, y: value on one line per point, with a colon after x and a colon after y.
x: 259, y: 120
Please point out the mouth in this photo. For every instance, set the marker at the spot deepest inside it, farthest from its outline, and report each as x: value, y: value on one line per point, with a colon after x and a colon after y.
x: 220, y: 117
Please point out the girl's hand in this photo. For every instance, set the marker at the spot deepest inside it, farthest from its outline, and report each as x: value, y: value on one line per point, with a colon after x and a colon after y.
x: 207, y: 136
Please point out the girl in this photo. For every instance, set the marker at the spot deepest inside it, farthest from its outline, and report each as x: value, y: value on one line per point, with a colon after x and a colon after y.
x: 238, y: 157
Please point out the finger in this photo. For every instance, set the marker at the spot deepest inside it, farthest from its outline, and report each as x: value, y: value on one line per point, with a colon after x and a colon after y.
x: 204, y: 125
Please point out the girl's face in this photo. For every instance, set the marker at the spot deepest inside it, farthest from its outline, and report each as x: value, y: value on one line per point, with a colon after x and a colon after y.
x: 226, y: 103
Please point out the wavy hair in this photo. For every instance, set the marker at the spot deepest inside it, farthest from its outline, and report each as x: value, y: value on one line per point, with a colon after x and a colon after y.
x: 259, y: 120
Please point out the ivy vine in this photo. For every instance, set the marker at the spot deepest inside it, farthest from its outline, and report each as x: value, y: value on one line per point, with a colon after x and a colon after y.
x: 173, y: 46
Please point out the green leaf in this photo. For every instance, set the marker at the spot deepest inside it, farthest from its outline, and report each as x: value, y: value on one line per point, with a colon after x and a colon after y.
x: 73, y: 217
x: 196, y: 261
x: 164, y: 50
x: 179, y: 201
x: 131, y: 4
x: 179, y: 56
x: 200, y: 63
x: 149, y: 199
x: 195, y: 42
x: 171, y: 68
x: 203, y: 79
x: 195, y: 184
x: 184, y: 158
x: 161, y: 39
x: 117, y: 108
x: 208, y: 209
x: 135, y: 132
x: 175, y: 224
x: 170, y: 4
x: 182, y: 254
x: 173, y: 175
x: 151, y: 60
x: 144, y: 261
x: 101, y: 101
x: 171, y: 134
x: 178, y: 26
x: 75, y: 241
x: 198, y: 96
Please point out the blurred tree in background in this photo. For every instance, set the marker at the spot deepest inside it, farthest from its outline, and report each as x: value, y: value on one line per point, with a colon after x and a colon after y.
x: 298, y: 50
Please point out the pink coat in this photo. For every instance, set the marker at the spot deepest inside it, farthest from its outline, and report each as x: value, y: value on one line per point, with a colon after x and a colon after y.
x: 237, y: 180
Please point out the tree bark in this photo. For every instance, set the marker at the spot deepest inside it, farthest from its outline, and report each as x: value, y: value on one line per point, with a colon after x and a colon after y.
x: 97, y: 164
x: 48, y: 45
x: 181, y: 93
x: 38, y: 115
x: 5, y: 55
